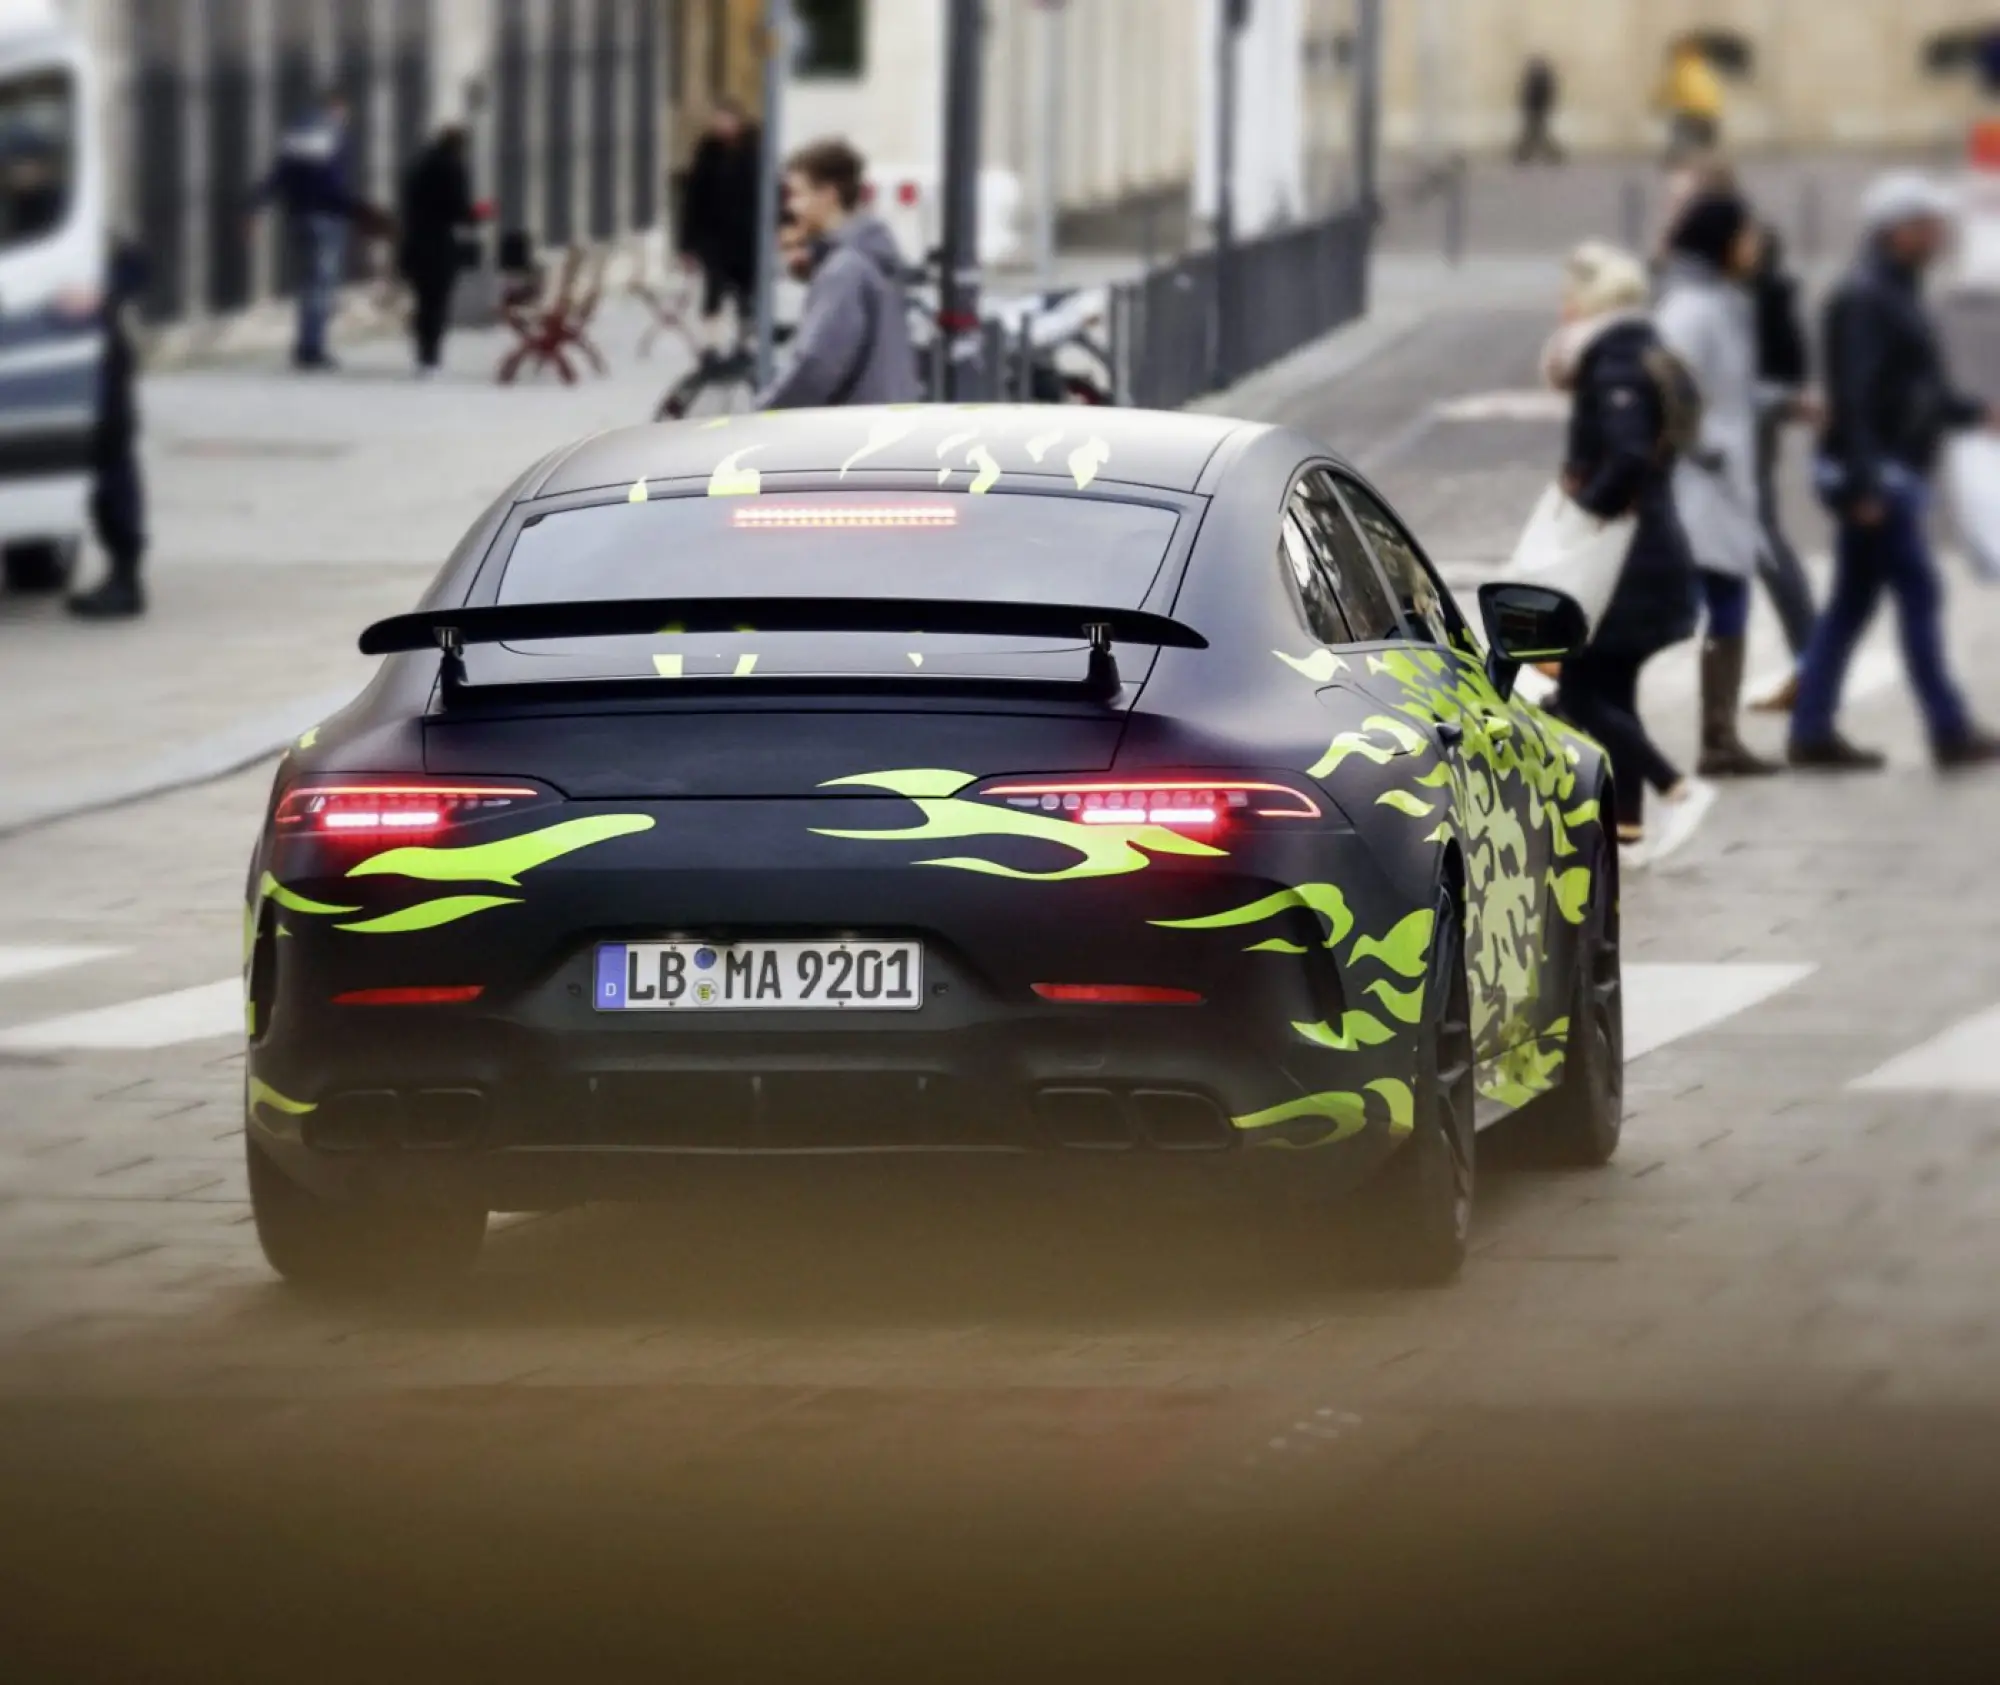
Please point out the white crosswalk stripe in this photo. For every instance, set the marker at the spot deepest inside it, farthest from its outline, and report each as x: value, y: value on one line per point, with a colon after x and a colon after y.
x: 1965, y: 1059
x: 1667, y: 1003
x: 33, y: 961
x: 211, y: 1009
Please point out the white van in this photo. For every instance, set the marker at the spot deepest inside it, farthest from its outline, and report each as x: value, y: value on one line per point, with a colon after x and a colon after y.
x: 53, y: 253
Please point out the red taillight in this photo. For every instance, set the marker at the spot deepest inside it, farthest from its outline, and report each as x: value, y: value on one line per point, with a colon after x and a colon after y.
x: 1117, y: 994
x: 398, y: 810
x: 1187, y: 804
x: 453, y: 996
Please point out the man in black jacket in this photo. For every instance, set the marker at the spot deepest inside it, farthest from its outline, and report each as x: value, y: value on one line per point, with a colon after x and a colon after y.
x: 718, y: 224
x: 1891, y: 405
x: 434, y: 217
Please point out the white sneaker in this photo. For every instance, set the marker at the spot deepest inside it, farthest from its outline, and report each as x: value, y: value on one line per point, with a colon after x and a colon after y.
x: 1681, y: 817
x: 1634, y: 856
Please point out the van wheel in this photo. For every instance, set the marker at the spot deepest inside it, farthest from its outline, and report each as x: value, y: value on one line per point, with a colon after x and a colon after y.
x: 40, y: 565
x: 366, y: 1245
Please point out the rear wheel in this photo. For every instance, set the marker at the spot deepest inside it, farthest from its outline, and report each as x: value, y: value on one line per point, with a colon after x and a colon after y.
x: 1580, y: 1122
x: 1418, y: 1220
x: 369, y: 1244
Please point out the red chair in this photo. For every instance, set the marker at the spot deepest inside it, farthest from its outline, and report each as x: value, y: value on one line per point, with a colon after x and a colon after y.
x: 548, y: 329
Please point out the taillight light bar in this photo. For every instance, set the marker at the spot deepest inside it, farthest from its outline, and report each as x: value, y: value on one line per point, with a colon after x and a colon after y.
x: 384, y: 810
x: 1193, y: 804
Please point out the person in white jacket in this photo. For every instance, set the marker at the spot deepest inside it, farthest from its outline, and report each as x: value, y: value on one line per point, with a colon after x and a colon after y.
x: 1707, y: 317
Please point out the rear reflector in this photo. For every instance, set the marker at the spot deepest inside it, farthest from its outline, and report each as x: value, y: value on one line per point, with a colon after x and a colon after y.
x: 456, y: 995
x: 1117, y: 994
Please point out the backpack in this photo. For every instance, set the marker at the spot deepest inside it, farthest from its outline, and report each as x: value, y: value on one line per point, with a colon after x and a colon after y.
x: 1680, y: 402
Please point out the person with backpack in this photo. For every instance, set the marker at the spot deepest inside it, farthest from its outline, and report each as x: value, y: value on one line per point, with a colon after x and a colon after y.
x: 852, y: 345
x: 1634, y: 409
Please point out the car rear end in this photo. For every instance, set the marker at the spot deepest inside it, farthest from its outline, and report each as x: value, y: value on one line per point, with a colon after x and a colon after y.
x: 767, y: 894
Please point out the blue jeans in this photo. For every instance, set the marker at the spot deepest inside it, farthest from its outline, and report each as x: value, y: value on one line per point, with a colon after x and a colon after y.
x: 1895, y: 553
x: 323, y: 247
x: 1727, y: 600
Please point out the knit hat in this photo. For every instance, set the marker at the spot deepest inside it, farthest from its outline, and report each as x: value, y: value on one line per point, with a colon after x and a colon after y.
x: 1905, y: 196
x: 1710, y: 227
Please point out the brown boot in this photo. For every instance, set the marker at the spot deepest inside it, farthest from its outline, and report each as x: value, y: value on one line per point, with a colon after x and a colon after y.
x: 1724, y: 754
x: 1781, y: 699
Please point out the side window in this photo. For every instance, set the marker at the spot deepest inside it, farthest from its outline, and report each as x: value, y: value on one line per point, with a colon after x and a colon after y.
x: 1370, y: 614
x: 1309, y: 579
x: 1425, y: 603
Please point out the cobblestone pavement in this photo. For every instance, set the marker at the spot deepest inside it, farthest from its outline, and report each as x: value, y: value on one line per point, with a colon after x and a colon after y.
x: 1796, y: 1242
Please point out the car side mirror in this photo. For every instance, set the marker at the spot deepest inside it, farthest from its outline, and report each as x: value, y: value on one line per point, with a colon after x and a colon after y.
x: 1527, y: 623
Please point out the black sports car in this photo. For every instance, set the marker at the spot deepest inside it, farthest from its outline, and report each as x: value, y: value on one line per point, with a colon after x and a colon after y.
x: 926, y: 781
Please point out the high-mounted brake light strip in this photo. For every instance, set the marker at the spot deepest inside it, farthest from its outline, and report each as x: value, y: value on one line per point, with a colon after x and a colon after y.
x: 796, y: 516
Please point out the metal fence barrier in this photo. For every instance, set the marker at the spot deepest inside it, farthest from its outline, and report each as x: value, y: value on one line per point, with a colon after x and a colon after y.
x: 1178, y: 334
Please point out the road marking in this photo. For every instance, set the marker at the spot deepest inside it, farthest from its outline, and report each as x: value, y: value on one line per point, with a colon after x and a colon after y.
x: 1963, y: 1060
x: 1667, y: 1003
x: 1531, y: 403
x: 31, y: 961
x: 211, y: 1010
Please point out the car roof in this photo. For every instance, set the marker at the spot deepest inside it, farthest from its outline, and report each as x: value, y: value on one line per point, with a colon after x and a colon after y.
x: 1163, y: 449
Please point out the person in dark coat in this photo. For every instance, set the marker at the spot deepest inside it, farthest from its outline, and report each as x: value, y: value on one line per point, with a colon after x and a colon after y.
x: 117, y: 492
x: 1539, y: 92
x: 1890, y: 406
x: 718, y: 223
x: 1629, y: 418
x: 310, y: 182
x: 434, y: 214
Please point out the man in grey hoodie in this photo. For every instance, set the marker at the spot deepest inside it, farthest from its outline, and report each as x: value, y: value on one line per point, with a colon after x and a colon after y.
x: 852, y: 345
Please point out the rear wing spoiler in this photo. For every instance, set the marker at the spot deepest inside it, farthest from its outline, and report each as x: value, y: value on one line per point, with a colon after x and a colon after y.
x: 452, y: 630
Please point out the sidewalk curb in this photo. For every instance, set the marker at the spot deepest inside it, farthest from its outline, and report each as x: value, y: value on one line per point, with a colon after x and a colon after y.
x: 200, y: 762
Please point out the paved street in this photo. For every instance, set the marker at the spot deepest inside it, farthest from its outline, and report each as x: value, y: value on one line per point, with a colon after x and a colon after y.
x: 1762, y: 1347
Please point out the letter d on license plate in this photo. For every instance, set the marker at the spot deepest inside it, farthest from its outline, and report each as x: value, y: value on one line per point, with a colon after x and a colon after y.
x: 753, y: 976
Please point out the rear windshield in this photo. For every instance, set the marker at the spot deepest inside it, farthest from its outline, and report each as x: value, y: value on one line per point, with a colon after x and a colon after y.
x: 945, y: 547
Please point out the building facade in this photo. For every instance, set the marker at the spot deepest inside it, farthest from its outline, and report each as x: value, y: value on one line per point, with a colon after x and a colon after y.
x: 1822, y: 73
x: 569, y: 101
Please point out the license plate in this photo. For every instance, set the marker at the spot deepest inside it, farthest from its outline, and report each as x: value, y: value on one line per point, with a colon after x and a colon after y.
x: 753, y: 976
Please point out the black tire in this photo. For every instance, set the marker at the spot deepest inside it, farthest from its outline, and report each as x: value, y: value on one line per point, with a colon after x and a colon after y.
x: 1418, y: 1215
x: 359, y: 1246
x: 1580, y: 1122
x: 40, y: 566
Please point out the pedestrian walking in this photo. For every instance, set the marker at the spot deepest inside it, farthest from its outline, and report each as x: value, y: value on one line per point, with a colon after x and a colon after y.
x: 435, y: 213
x: 1690, y: 95
x: 718, y: 220
x: 1540, y: 90
x: 1784, y: 373
x: 1633, y: 408
x: 853, y: 340
x: 117, y: 490
x: 1706, y: 317
x: 1890, y: 405
x: 310, y: 183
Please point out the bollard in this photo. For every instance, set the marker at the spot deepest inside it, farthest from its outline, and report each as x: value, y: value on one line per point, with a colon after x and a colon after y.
x: 1632, y: 214
x: 1454, y: 212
